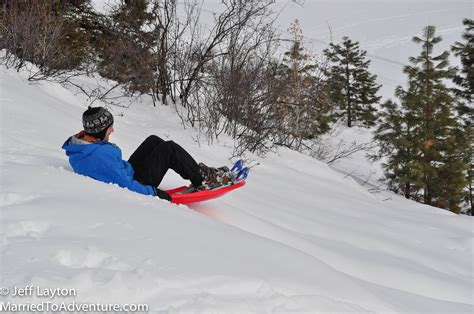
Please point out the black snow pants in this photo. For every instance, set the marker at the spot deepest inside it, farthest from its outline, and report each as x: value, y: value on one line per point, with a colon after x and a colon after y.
x: 152, y: 159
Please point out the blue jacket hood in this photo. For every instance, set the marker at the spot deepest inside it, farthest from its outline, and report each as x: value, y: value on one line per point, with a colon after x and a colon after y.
x: 77, y: 148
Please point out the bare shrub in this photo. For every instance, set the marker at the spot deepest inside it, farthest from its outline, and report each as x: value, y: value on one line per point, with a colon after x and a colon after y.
x: 42, y: 33
x: 228, y: 84
x: 242, y: 106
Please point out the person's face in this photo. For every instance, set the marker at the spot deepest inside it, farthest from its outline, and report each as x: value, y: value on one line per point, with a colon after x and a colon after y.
x: 110, y: 130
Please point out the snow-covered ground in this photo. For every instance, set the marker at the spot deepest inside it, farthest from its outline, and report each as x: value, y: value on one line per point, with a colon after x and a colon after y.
x: 299, y: 237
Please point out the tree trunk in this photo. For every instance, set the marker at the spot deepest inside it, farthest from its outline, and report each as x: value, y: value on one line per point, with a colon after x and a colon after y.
x: 427, y: 193
x: 349, y: 105
x: 470, y: 197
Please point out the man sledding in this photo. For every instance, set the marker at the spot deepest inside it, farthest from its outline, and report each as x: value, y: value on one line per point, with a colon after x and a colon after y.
x: 90, y: 153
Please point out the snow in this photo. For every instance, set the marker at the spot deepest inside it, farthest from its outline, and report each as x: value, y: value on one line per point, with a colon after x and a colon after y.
x: 299, y: 237
x: 103, y: 6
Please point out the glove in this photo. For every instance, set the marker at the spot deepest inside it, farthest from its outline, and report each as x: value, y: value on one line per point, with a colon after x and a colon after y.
x: 163, y: 195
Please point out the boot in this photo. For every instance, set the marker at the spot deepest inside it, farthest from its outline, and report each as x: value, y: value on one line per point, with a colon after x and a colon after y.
x: 214, y: 177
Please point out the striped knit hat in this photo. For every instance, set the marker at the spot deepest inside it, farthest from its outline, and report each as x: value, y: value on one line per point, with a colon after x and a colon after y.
x: 97, y: 119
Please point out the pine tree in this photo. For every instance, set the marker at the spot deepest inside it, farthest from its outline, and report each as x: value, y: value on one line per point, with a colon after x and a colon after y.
x: 440, y: 163
x: 303, y: 103
x: 352, y: 87
x: 124, y: 46
x: 465, y: 90
x: 423, y: 137
x: 396, y: 135
x: 465, y: 51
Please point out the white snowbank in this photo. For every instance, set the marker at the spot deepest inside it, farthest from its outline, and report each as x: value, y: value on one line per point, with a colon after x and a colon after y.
x: 298, y: 237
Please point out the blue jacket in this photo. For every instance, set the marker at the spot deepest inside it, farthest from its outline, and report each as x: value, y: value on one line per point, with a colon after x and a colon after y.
x: 103, y: 161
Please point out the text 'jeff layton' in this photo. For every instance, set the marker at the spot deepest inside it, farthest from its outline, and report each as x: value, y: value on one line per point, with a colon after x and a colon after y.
x: 42, y: 292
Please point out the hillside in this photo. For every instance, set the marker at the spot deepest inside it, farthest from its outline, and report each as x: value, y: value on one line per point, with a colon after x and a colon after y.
x: 299, y: 237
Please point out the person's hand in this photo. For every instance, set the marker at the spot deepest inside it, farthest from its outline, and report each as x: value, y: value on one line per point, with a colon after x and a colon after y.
x: 163, y: 195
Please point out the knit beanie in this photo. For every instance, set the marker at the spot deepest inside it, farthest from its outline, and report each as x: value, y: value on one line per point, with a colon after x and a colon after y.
x: 96, y: 121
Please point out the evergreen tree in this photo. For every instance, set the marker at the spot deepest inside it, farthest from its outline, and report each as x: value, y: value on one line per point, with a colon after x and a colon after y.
x: 303, y: 103
x: 465, y: 90
x: 440, y: 164
x: 124, y: 46
x: 396, y: 135
x: 352, y: 87
x: 423, y: 137
x: 465, y: 51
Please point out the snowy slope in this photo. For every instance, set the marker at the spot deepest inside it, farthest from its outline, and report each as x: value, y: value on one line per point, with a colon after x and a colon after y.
x: 299, y: 237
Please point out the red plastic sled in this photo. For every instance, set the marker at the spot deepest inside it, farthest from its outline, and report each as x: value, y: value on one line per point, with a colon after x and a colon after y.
x: 200, y: 196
